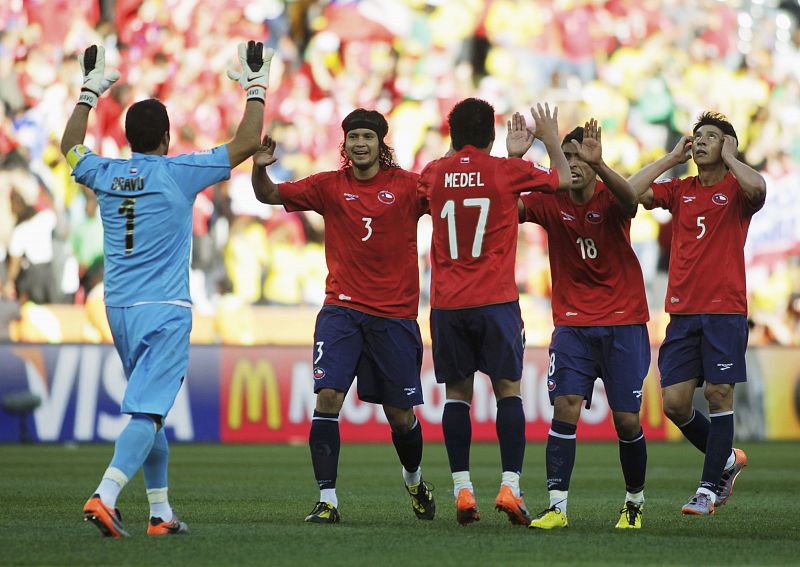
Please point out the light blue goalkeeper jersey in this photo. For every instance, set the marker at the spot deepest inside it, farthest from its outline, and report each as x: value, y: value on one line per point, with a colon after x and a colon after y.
x: 146, y: 208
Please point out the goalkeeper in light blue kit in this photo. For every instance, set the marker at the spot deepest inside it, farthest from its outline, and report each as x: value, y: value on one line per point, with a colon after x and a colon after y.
x: 146, y: 209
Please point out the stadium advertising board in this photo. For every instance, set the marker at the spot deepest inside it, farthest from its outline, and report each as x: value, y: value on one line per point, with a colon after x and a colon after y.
x: 267, y: 395
x: 81, y: 387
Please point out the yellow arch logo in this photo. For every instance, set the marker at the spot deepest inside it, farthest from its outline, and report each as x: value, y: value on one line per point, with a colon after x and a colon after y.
x: 251, y: 384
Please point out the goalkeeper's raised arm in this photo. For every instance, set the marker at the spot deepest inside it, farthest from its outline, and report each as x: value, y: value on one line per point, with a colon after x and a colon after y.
x: 254, y: 79
x: 95, y: 83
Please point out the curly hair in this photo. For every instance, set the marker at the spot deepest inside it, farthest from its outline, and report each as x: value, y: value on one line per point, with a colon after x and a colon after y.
x: 385, y: 156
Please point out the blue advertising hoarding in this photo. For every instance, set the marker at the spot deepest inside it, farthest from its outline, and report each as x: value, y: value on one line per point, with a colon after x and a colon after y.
x: 81, y: 386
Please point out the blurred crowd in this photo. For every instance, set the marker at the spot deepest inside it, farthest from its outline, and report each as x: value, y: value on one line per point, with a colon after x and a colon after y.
x: 644, y: 68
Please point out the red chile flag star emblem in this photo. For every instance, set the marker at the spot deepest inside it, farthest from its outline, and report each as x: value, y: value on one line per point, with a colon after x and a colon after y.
x: 386, y: 197
x: 719, y: 199
x: 594, y: 217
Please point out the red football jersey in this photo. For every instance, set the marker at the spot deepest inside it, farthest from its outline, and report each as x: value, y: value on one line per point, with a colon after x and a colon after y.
x: 473, y: 203
x: 709, y: 228
x: 596, y: 275
x: 370, y: 237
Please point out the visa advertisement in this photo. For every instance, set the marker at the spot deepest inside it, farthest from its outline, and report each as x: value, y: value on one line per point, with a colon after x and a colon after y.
x: 266, y: 395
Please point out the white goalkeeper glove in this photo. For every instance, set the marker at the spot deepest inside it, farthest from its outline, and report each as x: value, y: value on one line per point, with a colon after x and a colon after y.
x: 254, y: 76
x: 95, y: 83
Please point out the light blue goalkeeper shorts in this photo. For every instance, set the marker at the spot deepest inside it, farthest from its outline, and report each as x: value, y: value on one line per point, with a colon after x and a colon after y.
x: 152, y: 341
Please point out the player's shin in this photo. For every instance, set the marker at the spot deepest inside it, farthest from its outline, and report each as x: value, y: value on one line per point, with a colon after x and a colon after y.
x: 560, y: 460
x: 325, y: 443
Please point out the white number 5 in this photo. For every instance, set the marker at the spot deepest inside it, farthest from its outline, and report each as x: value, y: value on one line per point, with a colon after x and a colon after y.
x: 702, y: 227
x: 367, y: 223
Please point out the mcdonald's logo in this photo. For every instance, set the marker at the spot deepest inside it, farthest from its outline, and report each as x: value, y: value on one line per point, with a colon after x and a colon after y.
x: 254, y: 387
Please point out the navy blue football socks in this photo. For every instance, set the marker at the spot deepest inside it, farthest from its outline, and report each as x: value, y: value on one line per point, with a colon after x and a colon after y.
x: 457, y: 429
x: 720, y: 443
x: 409, y: 447
x: 696, y: 430
x: 560, y: 454
x: 325, y: 444
x: 633, y: 458
x: 510, y: 427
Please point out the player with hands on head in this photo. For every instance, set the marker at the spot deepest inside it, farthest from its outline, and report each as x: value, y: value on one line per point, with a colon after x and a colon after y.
x: 368, y: 324
x: 706, y: 298
x: 475, y: 326
x: 600, y: 314
x: 145, y: 205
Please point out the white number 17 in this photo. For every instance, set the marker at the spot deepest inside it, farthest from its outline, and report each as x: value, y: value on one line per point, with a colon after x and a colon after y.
x: 449, y: 213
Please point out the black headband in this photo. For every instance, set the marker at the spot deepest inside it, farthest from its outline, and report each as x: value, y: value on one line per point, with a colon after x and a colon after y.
x: 364, y: 123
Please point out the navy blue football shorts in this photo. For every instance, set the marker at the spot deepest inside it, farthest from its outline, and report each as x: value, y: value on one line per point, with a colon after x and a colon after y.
x: 385, y: 353
x: 489, y: 338
x: 152, y: 341
x: 617, y: 354
x: 709, y: 347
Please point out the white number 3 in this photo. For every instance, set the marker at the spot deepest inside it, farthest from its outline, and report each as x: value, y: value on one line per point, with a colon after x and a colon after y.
x: 367, y: 223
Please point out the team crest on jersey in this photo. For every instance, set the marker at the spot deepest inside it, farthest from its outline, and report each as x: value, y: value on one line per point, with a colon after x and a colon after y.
x: 551, y: 384
x: 719, y: 199
x: 566, y: 216
x: 386, y: 197
x: 319, y: 373
x: 594, y: 217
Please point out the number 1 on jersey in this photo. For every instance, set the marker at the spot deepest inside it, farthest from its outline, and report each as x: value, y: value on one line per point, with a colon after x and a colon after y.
x: 127, y: 210
x: 449, y: 213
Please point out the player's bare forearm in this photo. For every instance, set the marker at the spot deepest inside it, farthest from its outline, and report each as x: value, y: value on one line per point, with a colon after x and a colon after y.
x: 264, y: 188
x: 558, y: 161
x: 248, y: 135
x: 75, y: 130
x: 752, y: 183
x: 642, y: 180
x: 622, y: 189
x: 14, y: 268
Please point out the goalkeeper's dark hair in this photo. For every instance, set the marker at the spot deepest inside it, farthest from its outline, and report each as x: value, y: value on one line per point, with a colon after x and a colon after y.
x: 715, y: 119
x: 471, y: 123
x: 145, y: 125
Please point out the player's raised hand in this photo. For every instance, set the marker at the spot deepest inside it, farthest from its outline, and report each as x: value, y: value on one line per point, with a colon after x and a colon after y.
x: 265, y: 154
x: 546, y: 123
x: 95, y: 81
x: 682, y: 150
x: 590, y: 150
x: 519, y: 138
x: 254, y: 76
x: 730, y: 147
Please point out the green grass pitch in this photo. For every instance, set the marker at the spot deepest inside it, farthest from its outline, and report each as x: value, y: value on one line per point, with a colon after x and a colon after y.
x: 245, y: 505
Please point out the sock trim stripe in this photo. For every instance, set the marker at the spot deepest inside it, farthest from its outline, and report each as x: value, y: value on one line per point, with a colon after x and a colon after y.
x: 691, y: 419
x: 631, y: 440
x: 448, y: 401
x: 561, y: 435
x: 336, y: 419
x: 721, y: 414
x: 116, y: 475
